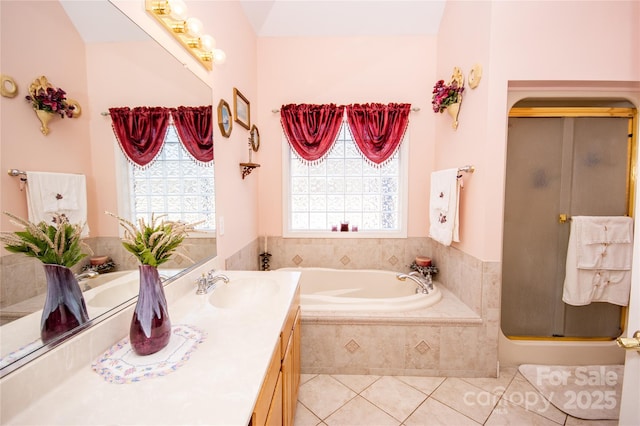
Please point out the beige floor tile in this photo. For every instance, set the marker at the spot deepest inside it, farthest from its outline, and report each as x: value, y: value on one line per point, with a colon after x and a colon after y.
x: 572, y: 421
x: 522, y: 393
x: 394, y: 397
x: 304, y: 417
x: 355, y: 382
x: 360, y: 412
x: 304, y: 378
x: 323, y: 395
x: 465, y: 398
x: 495, y: 385
x: 510, y: 414
x: 435, y: 413
x: 425, y: 385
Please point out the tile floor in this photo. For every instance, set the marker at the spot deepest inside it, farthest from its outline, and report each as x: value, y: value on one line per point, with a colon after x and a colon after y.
x: 351, y: 400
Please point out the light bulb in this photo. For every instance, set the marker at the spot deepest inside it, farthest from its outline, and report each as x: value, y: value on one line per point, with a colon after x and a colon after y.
x: 219, y: 56
x: 178, y: 10
x: 207, y: 43
x: 194, y: 27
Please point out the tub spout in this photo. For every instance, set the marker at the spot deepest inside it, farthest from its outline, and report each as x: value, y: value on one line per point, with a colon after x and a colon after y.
x: 84, y: 275
x: 423, y: 286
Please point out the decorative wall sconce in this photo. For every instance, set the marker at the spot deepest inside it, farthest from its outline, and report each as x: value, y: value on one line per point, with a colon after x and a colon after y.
x: 8, y: 86
x: 172, y: 15
x: 448, y: 96
x: 475, y: 75
x: 48, y: 101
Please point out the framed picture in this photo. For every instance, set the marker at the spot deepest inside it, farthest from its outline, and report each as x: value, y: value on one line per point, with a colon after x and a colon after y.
x: 224, y: 118
x: 254, y: 137
x: 241, y: 109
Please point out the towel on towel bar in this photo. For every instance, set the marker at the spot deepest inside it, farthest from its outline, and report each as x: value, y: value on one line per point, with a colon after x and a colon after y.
x: 599, y: 258
x: 443, y: 206
x: 62, y: 193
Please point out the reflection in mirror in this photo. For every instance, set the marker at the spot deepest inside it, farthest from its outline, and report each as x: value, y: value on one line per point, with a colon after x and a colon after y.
x: 117, y: 64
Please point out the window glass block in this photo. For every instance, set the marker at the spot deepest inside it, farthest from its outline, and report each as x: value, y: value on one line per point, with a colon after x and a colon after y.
x: 171, y: 151
x: 299, y: 203
x: 299, y: 185
x: 318, y: 202
x: 344, y: 186
x: 157, y: 186
x: 318, y: 220
x: 174, y: 186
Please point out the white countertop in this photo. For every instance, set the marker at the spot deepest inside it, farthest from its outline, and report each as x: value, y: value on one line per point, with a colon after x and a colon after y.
x: 218, y: 385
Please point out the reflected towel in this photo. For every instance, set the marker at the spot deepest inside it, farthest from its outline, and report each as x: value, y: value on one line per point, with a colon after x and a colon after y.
x: 443, y: 206
x: 61, y: 193
x: 599, y: 260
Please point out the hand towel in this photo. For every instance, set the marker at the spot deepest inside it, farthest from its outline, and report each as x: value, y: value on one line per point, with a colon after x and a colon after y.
x: 599, y: 257
x: 61, y: 193
x: 443, y: 206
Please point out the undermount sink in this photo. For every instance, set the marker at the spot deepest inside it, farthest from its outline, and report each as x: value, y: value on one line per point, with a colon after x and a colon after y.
x: 115, y: 294
x: 243, y: 292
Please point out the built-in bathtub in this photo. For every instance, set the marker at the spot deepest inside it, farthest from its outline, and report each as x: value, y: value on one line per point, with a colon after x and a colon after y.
x: 369, y: 322
x: 324, y: 289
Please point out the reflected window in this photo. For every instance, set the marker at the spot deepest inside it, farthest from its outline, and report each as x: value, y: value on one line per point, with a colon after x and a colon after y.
x: 175, y: 185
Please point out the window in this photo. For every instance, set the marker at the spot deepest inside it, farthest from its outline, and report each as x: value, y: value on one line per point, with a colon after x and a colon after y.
x: 174, y: 185
x: 344, y: 187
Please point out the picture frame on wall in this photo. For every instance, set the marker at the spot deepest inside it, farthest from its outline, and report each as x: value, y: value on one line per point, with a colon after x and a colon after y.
x: 224, y: 118
x: 241, y: 109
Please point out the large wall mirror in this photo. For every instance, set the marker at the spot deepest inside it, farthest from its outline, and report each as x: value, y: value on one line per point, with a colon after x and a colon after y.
x: 114, y: 63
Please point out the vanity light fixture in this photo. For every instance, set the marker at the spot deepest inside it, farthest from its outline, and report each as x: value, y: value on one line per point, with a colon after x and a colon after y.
x: 172, y: 15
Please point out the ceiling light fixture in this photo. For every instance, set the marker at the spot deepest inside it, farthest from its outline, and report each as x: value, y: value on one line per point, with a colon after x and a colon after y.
x: 172, y: 14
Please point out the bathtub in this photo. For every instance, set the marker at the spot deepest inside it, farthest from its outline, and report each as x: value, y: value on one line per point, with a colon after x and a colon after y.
x: 347, y: 290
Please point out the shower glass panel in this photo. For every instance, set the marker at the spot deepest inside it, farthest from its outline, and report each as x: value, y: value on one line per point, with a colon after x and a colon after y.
x: 578, y: 166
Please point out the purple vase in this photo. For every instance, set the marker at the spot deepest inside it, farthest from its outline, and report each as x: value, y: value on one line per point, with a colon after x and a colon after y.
x: 150, y: 326
x: 64, y: 307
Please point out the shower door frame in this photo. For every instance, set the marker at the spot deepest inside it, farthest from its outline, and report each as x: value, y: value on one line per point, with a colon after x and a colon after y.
x: 580, y: 112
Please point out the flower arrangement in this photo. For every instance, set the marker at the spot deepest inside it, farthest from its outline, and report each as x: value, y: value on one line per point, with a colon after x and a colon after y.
x: 154, y: 243
x: 56, y: 244
x: 445, y: 95
x: 51, y: 100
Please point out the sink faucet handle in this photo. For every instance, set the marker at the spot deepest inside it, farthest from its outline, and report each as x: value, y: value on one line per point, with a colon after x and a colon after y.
x: 202, y: 285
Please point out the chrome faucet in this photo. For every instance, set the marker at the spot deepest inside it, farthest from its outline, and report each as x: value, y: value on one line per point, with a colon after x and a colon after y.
x: 209, y: 282
x: 423, y: 285
x: 88, y: 274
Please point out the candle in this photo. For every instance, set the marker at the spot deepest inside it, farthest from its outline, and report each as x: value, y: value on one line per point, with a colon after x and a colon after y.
x: 423, y: 261
x: 265, y: 244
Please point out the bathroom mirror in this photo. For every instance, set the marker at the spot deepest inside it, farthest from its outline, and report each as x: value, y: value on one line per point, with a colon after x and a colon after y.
x: 96, y: 19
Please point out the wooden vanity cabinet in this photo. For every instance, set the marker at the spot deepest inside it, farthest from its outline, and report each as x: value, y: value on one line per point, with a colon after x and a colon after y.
x: 278, y: 396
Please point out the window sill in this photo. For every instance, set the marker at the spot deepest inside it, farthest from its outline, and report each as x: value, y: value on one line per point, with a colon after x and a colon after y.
x: 349, y: 234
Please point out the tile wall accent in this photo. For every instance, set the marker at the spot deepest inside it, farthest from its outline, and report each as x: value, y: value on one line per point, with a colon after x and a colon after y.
x: 22, y: 277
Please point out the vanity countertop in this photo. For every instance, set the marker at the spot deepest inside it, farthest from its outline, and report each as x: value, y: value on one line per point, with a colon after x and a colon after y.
x: 218, y: 385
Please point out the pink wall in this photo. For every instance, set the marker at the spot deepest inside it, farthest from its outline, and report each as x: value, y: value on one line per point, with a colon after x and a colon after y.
x: 345, y: 70
x: 26, y: 55
x: 595, y: 45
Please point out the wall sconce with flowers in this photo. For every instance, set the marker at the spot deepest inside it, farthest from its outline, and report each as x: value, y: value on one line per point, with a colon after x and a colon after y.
x: 49, y: 101
x: 449, y: 96
x: 172, y: 15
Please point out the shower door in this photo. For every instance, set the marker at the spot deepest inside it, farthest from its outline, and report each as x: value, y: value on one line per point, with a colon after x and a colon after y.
x: 558, y: 167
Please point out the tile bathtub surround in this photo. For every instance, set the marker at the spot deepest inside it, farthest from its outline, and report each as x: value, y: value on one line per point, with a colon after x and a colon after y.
x: 474, y: 282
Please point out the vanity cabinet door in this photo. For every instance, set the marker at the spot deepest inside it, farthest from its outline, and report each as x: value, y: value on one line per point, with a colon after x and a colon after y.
x: 291, y: 372
x: 269, y: 393
x: 274, y: 417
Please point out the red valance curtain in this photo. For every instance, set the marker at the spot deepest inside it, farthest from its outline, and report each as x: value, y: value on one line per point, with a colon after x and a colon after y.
x: 194, y: 126
x: 311, y: 129
x: 378, y: 129
x: 140, y: 131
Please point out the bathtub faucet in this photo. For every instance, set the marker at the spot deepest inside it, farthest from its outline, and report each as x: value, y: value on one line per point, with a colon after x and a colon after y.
x: 423, y: 286
x: 208, y: 282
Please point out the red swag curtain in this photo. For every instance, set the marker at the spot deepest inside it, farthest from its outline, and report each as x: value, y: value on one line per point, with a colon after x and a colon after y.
x: 140, y: 131
x: 195, y: 130
x: 378, y: 129
x: 311, y: 129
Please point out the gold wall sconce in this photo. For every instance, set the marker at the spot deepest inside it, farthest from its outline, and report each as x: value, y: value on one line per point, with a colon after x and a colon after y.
x: 48, y: 102
x: 172, y: 15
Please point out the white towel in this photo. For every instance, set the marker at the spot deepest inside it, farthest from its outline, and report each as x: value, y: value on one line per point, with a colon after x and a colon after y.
x: 599, y: 260
x: 62, y: 193
x: 443, y: 206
